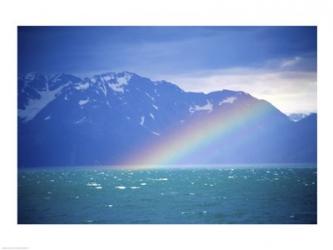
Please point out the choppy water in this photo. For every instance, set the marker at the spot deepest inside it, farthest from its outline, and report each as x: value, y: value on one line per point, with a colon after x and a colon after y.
x: 258, y: 195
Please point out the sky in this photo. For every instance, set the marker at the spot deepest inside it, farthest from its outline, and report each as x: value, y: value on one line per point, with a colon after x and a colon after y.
x: 278, y: 64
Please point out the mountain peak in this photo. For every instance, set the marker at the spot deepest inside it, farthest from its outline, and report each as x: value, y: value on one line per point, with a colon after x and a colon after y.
x: 296, y: 117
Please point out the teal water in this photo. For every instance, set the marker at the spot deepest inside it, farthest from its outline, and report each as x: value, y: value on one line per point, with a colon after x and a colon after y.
x: 177, y: 196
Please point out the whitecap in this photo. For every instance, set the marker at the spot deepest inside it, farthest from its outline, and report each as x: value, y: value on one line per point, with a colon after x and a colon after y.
x: 109, y: 205
x: 93, y: 184
x: 143, y: 184
x: 120, y: 187
x: 98, y: 187
x: 230, y: 177
x: 160, y: 179
x: 134, y: 187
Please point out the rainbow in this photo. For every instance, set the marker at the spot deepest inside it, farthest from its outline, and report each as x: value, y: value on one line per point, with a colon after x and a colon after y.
x: 195, y: 136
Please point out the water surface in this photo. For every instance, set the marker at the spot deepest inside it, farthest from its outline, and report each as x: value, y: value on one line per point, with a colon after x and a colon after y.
x: 204, y: 196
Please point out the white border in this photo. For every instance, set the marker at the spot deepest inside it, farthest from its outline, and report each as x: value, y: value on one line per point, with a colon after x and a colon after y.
x: 175, y: 12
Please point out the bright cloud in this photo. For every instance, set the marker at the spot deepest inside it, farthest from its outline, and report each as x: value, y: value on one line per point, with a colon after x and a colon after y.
x: 290, y: 91
x: 290, y: 62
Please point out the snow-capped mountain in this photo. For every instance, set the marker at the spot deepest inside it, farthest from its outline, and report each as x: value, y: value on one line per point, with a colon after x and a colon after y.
x: 298, y: 116
x: 66, y: 120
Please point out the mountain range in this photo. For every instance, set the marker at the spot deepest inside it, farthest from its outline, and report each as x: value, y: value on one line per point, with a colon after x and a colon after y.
x: 65, y: 120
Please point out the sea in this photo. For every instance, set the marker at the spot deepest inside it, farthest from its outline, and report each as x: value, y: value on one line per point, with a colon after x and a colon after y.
x: 250, y: 194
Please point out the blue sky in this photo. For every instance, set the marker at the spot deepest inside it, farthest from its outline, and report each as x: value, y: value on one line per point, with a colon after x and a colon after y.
x: 273, y: 63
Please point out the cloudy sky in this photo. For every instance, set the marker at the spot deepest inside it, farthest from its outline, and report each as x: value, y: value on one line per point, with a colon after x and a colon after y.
x: 278, y: 64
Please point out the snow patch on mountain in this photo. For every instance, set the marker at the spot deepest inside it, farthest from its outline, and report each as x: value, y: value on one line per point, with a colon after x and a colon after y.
x: 120, y: 83
x: 30, y: 76
x: 36, y: 105
x: 155, y: 133
x: 229, y: 100
x: 150, y: 97
x: 155, y: 107
x: 117, y: 87
x: 207, y: 107
x: 108, y: 77
x: 295, y: 117
x: 103, y: 88
x: 80, y: 120
x: 82, y: 86
x: 124, y: 79
x: 84, y: 102
x: 142, y: 120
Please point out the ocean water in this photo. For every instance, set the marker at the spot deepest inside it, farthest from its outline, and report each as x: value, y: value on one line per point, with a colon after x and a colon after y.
x: 271, y: 195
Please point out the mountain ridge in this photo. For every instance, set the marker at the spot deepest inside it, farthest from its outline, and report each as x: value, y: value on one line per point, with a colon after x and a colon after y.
x: 68, y: 120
